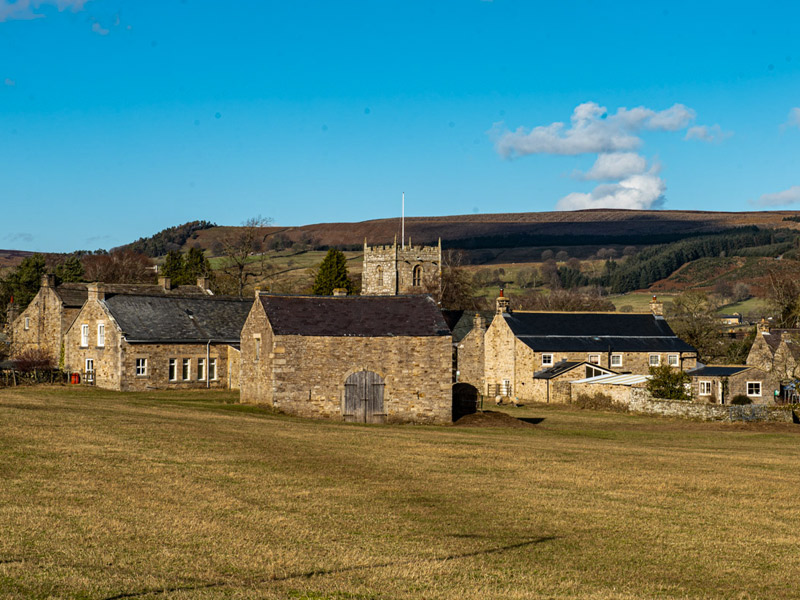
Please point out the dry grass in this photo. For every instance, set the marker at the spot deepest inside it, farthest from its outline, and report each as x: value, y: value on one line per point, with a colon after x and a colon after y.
x: 181, y: 495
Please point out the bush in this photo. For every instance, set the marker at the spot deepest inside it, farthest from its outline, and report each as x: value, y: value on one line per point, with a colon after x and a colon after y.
x: 598, y: 401
x: 741, y: 400
x: 33, y: 359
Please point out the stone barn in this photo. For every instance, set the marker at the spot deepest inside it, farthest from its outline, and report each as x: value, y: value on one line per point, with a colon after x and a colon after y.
x: 367, y: 359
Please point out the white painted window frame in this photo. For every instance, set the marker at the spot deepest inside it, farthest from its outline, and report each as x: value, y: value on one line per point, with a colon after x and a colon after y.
x: 201, y: 369
x: 212, y: 369
x: 704, y: 384
x: 101, y: 335
x: 172, y: 369
x: 548, y: 363
x: 88, y: 370
x: 754, y: 383
x: 674, y: 360
x: 140, y: 367
x: 27, y: 323
x: 186, y: 369
x: 594, y: 359
x: 616, y: 360
x: 657, y: 361
x: 84, y: 335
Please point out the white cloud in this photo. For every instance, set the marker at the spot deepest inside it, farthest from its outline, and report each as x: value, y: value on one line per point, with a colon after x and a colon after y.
x: 790, y: 196
x: 641, y: 192
x: 592, y: 130
x: 704, y: 133
x: 26, y: 9
x: 794, y: 118
x: 97, y: 28
x: 615, y: 165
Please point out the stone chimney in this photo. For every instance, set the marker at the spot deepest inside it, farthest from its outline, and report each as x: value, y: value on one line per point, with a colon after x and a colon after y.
x: 503, y: 303
x: 339, y: 292
x: 96, y: 291
x: 165, y: 283
x: 48, y: 280
x: 762, y: 327
x: 656, y: 307
x: 11, y: 313
x: 204, y: 283
x: 479, y: 322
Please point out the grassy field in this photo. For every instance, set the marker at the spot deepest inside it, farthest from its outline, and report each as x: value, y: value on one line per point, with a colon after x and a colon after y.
x: 186, y: 495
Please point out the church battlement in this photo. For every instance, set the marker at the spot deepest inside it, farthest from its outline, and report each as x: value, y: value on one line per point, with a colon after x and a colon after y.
x: 391, y: 269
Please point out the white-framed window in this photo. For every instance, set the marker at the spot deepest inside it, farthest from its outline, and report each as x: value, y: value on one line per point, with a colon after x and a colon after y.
x: 89, y: 370
x: 592, y: 372
x: 616, y: 360
x: 754, y: 388
x: 505, y: 388
x: 673, y: 360
x: 84, y: 335
x: 173, y: 369
x: 101, y: 335
x: 186, y: 369
x: 705, y: 388
x: 547, y: 360
x: 655, y: 360
x: 594, y: 359
x: 201, y: 369
x: 141, y: 367
x: 212, y: 369
x: 27, y: 323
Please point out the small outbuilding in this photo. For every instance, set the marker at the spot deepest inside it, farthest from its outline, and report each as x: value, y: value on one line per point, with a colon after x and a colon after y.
x: 370, y: 359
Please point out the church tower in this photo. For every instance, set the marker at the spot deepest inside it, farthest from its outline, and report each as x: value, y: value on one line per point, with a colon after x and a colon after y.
x: 391, y: 270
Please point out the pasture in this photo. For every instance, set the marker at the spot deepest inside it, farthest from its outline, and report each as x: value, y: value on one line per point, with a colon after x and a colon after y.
x: 189, y: 495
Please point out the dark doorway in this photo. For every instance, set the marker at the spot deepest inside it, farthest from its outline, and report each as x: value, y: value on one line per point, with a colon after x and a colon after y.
x: 363, y: 398
x: 465, y: 400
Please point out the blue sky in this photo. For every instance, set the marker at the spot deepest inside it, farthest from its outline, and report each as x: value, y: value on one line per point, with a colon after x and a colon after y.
x: 120, y: 118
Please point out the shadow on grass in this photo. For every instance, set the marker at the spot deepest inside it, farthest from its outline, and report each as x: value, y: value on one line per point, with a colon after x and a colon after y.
x: 532, y: 420
x: 317, y: 572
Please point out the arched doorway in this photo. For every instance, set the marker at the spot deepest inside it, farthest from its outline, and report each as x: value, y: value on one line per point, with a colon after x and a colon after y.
x: 465, y: 400
x: 363, y: 398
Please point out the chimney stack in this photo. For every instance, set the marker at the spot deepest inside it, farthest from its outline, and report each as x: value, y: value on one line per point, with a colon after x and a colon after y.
x: 96, y: 291
x: 503, y: 303
x: 763, y: 326
x: 165, y: 283
x: 48, y: 280
x: 657, y: 307
x: 204, y: 283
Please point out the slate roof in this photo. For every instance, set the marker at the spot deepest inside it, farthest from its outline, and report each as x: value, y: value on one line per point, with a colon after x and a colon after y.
x: 357, y: 316
x: 594, y: 332
x: 466, y: 322
x: 73, y: 295
x: 165, y: 319
x: 717, y: 371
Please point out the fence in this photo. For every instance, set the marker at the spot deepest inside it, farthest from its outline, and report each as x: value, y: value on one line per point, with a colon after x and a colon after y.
x: 13, y: 377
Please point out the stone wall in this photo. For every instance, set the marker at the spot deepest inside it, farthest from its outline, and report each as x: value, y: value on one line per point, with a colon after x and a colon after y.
x: 619, y: 394
x: 642, y: 402
x: 107, y: 358
x: 255, y: 363
x: 470, y: 359
x: 45, y: 325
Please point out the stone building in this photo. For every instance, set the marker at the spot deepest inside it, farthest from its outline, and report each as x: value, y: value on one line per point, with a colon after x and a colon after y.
x: 355, y: 358
x: 45, y: 321
x: 519, y: 344
x: 776, y: 351
x: 134, y: 342
x: 391, y: 270
x: 718, y: 384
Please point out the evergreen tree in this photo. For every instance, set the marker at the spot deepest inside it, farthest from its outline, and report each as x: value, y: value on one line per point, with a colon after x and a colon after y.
x: 22, y: 283
x: 197, y: 264
x: 332, y: 274
x: 174, y: 267
x: 70, y: 270
x: 668, y: 383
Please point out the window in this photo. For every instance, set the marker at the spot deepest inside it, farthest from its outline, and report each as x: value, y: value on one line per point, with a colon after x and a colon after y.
x: 592, y: 372
x: 141, y: 367
x: 173, y: 369
x: 505, y: 389
x: 101, y: 335
x: 705, y: 388
x: 212, y: 369
x: 416, y: 276
x: 201, y: 369
x: 754, y: 388
x: 594, y: 359
x: 379, y: 272
x: 27, y: 323
x: 673, y: 360
x: 257, y: 339
x: 655, y: 360
x: 84, y: 335
x: 89, y: 370
x: 616, y: 360
x: 186, y: 369
x: 547, y: 360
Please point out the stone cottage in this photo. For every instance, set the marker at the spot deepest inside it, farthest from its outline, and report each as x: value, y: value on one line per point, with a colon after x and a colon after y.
x: 519, y: 344
x: 45, y: 321
x: 355, y: 358
x: 718, y: 384
x: 134, y: 342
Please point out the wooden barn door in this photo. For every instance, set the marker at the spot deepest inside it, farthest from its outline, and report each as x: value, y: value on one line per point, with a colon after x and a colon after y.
x: 363, y: 398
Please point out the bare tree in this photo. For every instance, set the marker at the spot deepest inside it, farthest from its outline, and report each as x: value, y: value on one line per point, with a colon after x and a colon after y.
x: 564, y: 300
x: 455, y: 290
x: 783, y: 296
x: 244, y: 255
x: 118, y: 266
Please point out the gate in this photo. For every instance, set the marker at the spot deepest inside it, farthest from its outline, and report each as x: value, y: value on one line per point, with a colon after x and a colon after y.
x: 363, y: 398
x: 465, y: 400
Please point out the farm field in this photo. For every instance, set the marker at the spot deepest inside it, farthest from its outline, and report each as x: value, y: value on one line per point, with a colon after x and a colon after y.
x: 189, y: 495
